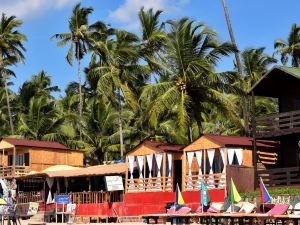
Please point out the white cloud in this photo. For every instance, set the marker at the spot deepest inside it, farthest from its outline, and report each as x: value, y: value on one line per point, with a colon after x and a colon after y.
x: 31, y: 8
x: 127, y: 12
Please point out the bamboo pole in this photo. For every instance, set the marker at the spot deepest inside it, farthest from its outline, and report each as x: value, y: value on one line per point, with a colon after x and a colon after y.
x: 183, y: 171
x: 164, y: 172
x: 126, y: 175
x: 145, y: 181
x: 225, y: 166
x: 14, y: 161
x: 204, y: 165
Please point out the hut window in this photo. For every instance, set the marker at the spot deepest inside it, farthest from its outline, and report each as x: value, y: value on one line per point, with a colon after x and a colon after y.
x: 10, y: 160
x: 26, y: 159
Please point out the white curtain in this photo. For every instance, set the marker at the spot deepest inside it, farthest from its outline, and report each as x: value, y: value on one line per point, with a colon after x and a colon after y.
x: 199, y: 161
x: 190, y: 156
x: 140, y: 159
x: 149, y: 163
x: 50, y: 182
x: 158, y: 158
x: 230, y: 153
x: 239, y: 155
x: 211, y: 180
x: 223, y: 177
x: 131, y: 167
x: 169, y: 174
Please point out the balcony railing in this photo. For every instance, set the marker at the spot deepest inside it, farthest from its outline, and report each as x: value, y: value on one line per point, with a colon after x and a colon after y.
x: 278, y: 124
x: 150, y: 184
x: 280, y: 176
x: 8, y: 171
x: 31, y: 196
x: 95, y: 197
x: 213, y: 181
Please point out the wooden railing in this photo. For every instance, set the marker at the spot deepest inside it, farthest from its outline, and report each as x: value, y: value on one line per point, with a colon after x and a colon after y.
x: 280, y: 176
x: 278, y: 124
x: 216, y: 180
x: 150, y: 184
x: 32, y: 196
x: 8, y: 171
x: 94, y: 197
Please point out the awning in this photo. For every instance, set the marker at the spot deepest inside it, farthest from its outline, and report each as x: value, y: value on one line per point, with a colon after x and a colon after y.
x: 101, y: 170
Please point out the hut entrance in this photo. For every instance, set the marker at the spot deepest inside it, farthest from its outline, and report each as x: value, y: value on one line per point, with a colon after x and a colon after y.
x: 177, y: 173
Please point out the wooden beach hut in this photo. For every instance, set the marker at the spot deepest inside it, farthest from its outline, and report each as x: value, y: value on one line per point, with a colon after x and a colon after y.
x: 216, y: 158
x: 153, y: 166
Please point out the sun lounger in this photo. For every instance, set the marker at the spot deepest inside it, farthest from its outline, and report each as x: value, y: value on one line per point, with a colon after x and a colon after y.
x: 279, y: 209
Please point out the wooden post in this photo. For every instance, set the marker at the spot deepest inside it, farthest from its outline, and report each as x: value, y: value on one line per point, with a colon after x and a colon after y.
x: 225, y: 166
x: 172, y: 174
x: 164, y: 171
x: 204, y: 165
x: 126, y: 175
x: 3, y: 157
x: 183, y: 171
x: 254, y: 152
x: 145, y: 181
x: 14, y: 161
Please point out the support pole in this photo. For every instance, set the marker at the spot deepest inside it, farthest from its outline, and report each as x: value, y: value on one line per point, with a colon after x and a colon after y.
x: 14, y: 161
x: 254, y: 147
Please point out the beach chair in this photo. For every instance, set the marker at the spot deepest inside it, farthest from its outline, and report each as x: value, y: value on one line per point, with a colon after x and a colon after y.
x: 278, y: 209
x: 296, y: 209
x: 247, y: 208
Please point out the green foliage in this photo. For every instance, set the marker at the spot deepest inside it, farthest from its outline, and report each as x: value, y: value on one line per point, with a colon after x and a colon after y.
x: 272, y: 192
x: 160, y: 84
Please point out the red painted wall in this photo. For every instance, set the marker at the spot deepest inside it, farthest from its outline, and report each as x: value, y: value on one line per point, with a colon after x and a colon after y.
x: 135, y: 204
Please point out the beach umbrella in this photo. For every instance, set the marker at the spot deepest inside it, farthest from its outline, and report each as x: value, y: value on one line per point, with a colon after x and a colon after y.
x: 234, y: 195
x: 178, y: 197
x: 205, y: 197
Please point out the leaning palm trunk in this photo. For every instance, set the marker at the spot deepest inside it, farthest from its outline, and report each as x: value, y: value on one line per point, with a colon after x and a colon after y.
x: 9, y: 109
x: 80, y: 95
x: 7, y: 98
x: 120, y: 122
x: 239, y: 68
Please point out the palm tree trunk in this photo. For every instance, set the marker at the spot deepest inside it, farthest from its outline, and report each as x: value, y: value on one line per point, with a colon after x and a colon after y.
x: 80, y: 94
x: 12, y: 130
x: 239, y: 68
x: 120, y: 123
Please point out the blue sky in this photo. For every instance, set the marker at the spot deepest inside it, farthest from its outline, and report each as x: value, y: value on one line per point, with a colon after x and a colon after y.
x: 256, y: 23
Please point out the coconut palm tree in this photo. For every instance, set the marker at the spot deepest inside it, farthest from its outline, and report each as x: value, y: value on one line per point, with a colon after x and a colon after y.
x: 119, y: 71
x: 290, y: 47
x: 39, y: 85
x: 79, y: 37
x: 11, y: 52
x: 188, y: 82
x: 255, y: 63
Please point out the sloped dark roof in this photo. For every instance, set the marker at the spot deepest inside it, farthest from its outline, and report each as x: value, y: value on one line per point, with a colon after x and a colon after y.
x: 240, y: 141
x: 278, y: 81
x: 161, y: 145
x: 35, y: 143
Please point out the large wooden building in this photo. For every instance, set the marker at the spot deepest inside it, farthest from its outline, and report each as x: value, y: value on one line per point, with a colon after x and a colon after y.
x: 281, y: 83
x: 19, y: 156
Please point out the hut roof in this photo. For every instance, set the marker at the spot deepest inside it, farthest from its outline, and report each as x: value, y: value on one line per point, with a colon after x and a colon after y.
x: 208, y: 141
x: 277, y: 82
x: 161, y: 146
x: 34, y: 143
x: 240, y: 141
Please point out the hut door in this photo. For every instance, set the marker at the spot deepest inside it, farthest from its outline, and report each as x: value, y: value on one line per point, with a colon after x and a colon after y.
x: 177, y: 173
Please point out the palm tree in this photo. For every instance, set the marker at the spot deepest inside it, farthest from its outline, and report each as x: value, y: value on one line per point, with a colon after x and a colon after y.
x: 39, y: 85
x: 188, y: 82
x: 289, y: 47
x: 79, y: 37
x: 11, y: 52
x: 119, y: 71
x: 239, y: 68
x: 255, y: 63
